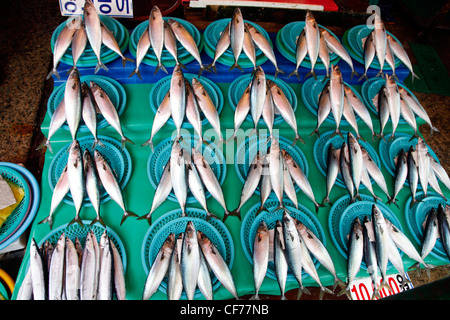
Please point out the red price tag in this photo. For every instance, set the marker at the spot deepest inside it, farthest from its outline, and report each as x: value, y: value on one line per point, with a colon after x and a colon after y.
x: 362, y: 289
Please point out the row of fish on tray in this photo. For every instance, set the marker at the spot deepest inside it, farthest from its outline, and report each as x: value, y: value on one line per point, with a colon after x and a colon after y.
x: 67, y: 271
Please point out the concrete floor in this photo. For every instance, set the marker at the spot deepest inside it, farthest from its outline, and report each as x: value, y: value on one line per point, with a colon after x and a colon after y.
x: 25, y: 58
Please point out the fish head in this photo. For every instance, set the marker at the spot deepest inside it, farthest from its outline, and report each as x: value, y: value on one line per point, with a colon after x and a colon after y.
x: 87, y: 158
x: 75, y: 149
x: 378, y: 22
x: 170, y: 241
x: 309, y: 16
x: 74, y: 22
x: 390, y: 81
x: 190, y: 231
x: 336, y: 72
x: 351, y: 140
x: 357, y: 226
x: 262, y: 229
x: 155, y: 12
x: 377, y: 215
x: 237, y: 15
x: 203, y: 240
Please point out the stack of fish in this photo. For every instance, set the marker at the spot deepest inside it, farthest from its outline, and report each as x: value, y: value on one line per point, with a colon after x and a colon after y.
x: 82, y: 102
x: 187, y: 172
x: 382, y: 45
x: 162, y: 34
x: 66, y: 271
x: 317, y: 43
x: 243, y: 37
x: 377, y: 241
x: 275, y: 170
x: 77, y: 33
x: 264, y: 98
x: 417, y: 165
x: 187, y: 261
x: 437, y: 225
x: 356, y: 167
x: 81, y: 175
x: 185, y: 101
x: 393, y: 101
x: 339, y: 99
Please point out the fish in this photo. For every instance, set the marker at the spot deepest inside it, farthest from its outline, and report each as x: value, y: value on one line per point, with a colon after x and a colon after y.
x: 119, y: 285
x: 56, y: 270
x: 193, y: 111
x: 268, y: 113
x: 300, y: 53
x: 365, y: 180
x: 159, y: 267
x: 299, y: 177
x: 204, y: 279
x: 324, y: 55
x: 79, y: 42
x: 105, y: 277
x: 383, y: 110
x: 380, y: 40
x: 293, y: 250
x: 430, y: 233
x: 409, y: 116
x: 396, y: 259
x: 108, y: 110
x: 162, y: 115
x: 177, y: 98
x: 390, y: 60
x: 440, y: 172
x: 111, y: 184
x: 161, y: 193
x: 170, y: 43
x: 207, y: 107
x: 142, y: 48
x: 399, y: 52
x: 336, y: 46
x: 359, y: 107
x: 337, y: 96
x: 217, y: 263
x: 97, y: 252
x: 443, y: 217
x: 276, y: 167
x: 355, y: 254
x: 349, y: 115
x: 210, y: 180
x: 237, y: 33
x: 423, y: 164
x: 312, y: 36
x: 89, y: 113
x: 94, y: 32
x: 188, y: 42
x: 59, y: 192
x: 260, y: 257
x: 288, y: 184
x: 257, y: 95
x: 332, y: 171
x: 38, y: 272
x: 265, y: 185
x: 190, y: 260
x: 251, y: 182
x: 248, y: 47
x: 92, y: 185
x: 413, y: 175
x: 323, y: 108
x: 264, y: 45
x: 370, y: 256
x: 318, y: 249
x: 374, y: 171
x: 156, y: 34
x: 178, y: 175
x: 222, y: 45
x: 110, y: 41
x: 401, y: 173
x: 434, y: 183
x: 356, y: 161
x: 57, y: 120
x: 279, y: 259
x: 174, y: 277
x: 73, y: 102
x: 393, y: 100
x: 25, y: 291
x: 345, y: 169
x: 72, y: 271
x: 77, y: 185
x: 286, y: 110
x: 369, y: 54
x: 62, y: 43
x: 88, y: 270
x: 242, y: 110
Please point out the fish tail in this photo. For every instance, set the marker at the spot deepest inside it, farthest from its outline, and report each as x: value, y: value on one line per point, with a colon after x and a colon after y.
x: 283, y: 297
x: 160, y: 66
x: 354, y: 73
x: 295, y: 72
x: 125, y: 140
x: 135, y: 71
x: 47, y: 144
x: 318, y: 206
x: 364, y: 76
x: 203, y: 68
x: 384, y: 285
x: 393, y: 200
x: 125, y: 59
x: 277, y: 71
x: 380, y: 73
x: 100, y: 65
x: 98, y: 219
x: 213, y: 66
x: 392, y: 137
x: 235, y: 212
x: 298, y: 138
x: 53, y: 72
x: 376, y: 294
x: 346, y: 291
x: 147, y: 216
x: 77, y: 219
x: 255, y: 297
x: 127, y: 214
x: 261, y: 209
x: 149, y: 142
x: 316, y: 131
x: 48, y: 220
x: 337, y: 132
x: 304, y: 290
x: 210, y: 215
x: 326, y: 200
x: 181, y: 65
x: 413, y: 202
x: 311, y: 73
x: 360, y: 137
x: 236, y: 65
x: 99, y: 143
x: 381, y: 135
x: 434, y: 129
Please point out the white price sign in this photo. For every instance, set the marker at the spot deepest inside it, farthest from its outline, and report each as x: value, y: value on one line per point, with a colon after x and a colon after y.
x: 362, y: 289
x: 113, y: 8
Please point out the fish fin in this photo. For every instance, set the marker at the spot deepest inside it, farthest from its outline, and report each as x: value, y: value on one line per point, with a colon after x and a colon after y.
x: 261, y: 209
x: 298, y: 138
x: 394, y: 201
x: 416, y: 135
x: 364, y: 76
x: 181, y: 65
x: 326, y: 200
x: 384, y: 285
x: 311, y: 73
x: 135, y: 71
x: 316, y: 131
x: 210, y: 215
x: 127, y: 214
x: 337, y: 132
x: 47, y: 144
x: 360, y: 137
x: 295, y: 72
x: 318, y: 206
x: 213, y: 66
x: 381, y: 136
x: 379, y: 74
x: 160, y: 66
x: 236, y: 65
x: 376, y: 294
x: 283, y: 297
x: 147, y: 216
x: 236, y: 213
x: 48, y: 220
x: 149, y: 142
x: 203, y: 68
x: 125, y: 59
x: 98, y: 219
x: 434, y: 129
x: 100, y: 65
x: 125, y: 140
x: 77, y: 219
x: 255, y: 297
x: 392, y: 137
x: 53, y: 72
x: 413, y: 202
x: 354, y: 73
x: 277, y: 71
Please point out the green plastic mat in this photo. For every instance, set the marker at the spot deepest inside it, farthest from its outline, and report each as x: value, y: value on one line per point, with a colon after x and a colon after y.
x: 137, y: 120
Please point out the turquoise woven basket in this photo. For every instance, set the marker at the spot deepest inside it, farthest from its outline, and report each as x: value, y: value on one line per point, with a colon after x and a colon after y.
x: 251, y: 222
x: 112, y: 88
x: 119, y: 159
x: 167, y: 59
x: 238, y: 86
x: 160, y: 89
x: 173, y: 222
x: 247, y: 149
x: 161, y: 155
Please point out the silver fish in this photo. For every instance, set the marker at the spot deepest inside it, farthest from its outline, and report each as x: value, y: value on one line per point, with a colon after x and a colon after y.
x: 430, y: 233
x: 380, y: 41
x: 72, y: 272
x: 300, y: 53
x: 324, y: 55
x: 359, y: 107
x: 337, y: 96
x: 370, y: 256
x: 94, y: 32
x: 443, y: 216
x: 369, y: 54
x: 346, y: 171
x: 374, y: 171
x: 440, y: 172
x: 398, y: 51
x: 288, y: 184
x: 356, y: 161
x: 92, y: 185
x: 190, y: 260
x: 88, y: 271
x: 204, y: 279
x: 75, y: 173
x: 349, y: 115
x: 156, y: 34
x: 433, y: 182
x: 257, y: 95
x: 174, y: 277
x: 118, y: 273
x: 57, y: 120
x: 221, y: 46
x: 237, y: 30
x: 217, y: 263
x: 79, y: 43
x: 365, y: 180
x: 109, y: 181
x: 89, y: 113
x: 413, y: 175
x: 268, y: 113
x: 73, y: 102
x: 323, y: 108
x: 187, y: 41
x: 401, y: 173
x: 105, y: 278
x: 332, y: 172
x: 193, y: 111
x: 312, y: 36
x: 249, y: 46
x: 390, y: 60
x: 170, y: 43
x: 242, y: 110
x: 383, y: 110
x: 141, y: 50
x: 63, y: 42
x: 265, y: 185
x: 97, y: 252
x: 207, y: 106
x: 276, y: 167
x: 178, y: 175
x: 162, y: 115
x: 38, y: 272
x: 423, y: 162
x: 382, y: 239
x: 108, y: 110
x: 396, y: 259
x: 56, y: 270
x: 25, y: 291
x: 110, y: 41
x: 336, y: 46
x: 279, y: 258
x: 159, y: 267
x: 393, y: 100
x: 260, y: 257
x: 177, y: 98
